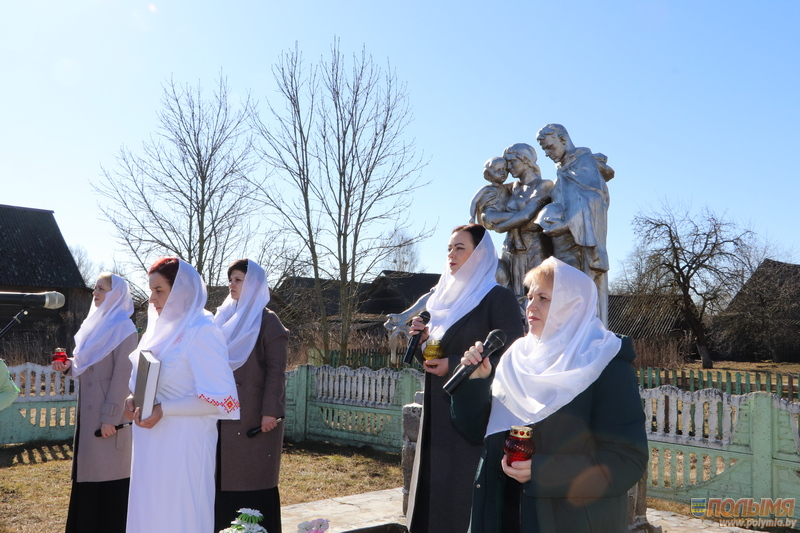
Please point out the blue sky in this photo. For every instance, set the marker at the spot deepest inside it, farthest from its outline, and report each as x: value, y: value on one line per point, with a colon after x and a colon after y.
x: 691, y: 101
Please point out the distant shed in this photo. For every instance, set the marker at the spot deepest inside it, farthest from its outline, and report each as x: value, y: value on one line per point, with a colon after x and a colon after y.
x: 644, y: 316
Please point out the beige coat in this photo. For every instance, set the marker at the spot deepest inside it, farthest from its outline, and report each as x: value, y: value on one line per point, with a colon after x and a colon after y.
x: 103, y: 389
x: 254, y: 463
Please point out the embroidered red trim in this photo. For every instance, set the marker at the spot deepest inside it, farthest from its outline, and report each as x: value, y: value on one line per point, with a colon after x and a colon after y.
x: 228, y: 404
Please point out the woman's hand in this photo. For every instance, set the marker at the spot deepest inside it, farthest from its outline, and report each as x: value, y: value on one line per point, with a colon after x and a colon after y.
x: 437, y: 367
x: 62, y: 366
x: 519, y: 470
x: 473, y: 357
x: 151, y: 420
x: 107, y: 430
x: 417, y: 325
x: 268, y: 423
x: 129, y: 409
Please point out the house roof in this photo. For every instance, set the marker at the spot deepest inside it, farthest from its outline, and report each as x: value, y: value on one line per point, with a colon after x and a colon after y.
x: 643, y: 316
x: 297, y: 291
x: 772, y: 283
x: 394, y: 291
x: 34, y: 251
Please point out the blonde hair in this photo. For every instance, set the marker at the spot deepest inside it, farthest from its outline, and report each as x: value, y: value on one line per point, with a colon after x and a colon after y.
x: 545, y: 273
x: 107, y: 277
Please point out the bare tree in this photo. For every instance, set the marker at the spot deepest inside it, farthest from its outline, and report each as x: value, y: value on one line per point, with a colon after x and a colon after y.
x: 190, y: 193
x: 403, y: 255
x: 86, y: 266
x: 337, y: 143
x: 697, y: 258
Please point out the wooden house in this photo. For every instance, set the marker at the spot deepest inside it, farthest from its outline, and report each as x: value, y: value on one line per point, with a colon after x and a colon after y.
x: 35, y: 258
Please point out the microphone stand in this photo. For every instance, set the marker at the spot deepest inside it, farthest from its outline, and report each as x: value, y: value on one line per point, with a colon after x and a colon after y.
x: 14, y: 321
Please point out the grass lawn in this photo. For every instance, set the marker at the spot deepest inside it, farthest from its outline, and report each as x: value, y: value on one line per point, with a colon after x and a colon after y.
x: 35, y: 484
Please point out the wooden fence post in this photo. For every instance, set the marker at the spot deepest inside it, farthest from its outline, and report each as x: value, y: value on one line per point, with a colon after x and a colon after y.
x: 407, y: 387
x: 761, y: 443
x: 301, y: 393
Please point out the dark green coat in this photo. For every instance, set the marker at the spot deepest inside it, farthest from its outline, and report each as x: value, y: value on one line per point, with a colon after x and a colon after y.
x: 588, y: 454
x: 445, y: 462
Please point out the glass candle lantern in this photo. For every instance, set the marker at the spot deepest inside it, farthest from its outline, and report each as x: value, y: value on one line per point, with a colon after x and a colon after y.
x: 60, y: 355
x: 433, y: 350
x: 519, y: 444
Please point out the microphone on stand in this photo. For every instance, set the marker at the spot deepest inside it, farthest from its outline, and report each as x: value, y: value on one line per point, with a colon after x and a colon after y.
x: 494, y: 341
x: 414, y: 341
x: 48, y: 300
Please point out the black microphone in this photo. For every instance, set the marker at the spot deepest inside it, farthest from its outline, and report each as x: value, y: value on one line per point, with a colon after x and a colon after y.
x: 494, y: 341
x: 99, y: 432
x: 252, y: 432
x: 48, y: 300
x: 414, y: 341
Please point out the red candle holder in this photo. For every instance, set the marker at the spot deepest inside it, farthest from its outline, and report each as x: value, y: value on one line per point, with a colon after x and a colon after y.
x: 60, y: 355
x: 519, y: 444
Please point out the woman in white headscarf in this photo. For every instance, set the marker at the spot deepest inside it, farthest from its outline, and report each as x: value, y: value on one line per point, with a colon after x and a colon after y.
x: 248, y: 467
x: 101, y: 466
x: 172, y: 475
x: 572, y: 382
x: 466, y: 305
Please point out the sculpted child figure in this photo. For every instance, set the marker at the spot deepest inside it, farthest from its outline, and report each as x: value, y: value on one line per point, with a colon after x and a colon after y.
x: 496, y: 196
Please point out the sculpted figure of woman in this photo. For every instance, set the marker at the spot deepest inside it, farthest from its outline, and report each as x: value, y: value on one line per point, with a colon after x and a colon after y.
x: 527, y: 246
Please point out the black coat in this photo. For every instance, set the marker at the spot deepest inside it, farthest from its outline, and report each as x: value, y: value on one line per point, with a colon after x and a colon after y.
x: 445, y: 462
x: 588, y: 454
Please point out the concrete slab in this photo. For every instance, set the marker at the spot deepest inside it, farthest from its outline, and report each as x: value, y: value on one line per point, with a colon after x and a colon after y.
x: 385, y: 507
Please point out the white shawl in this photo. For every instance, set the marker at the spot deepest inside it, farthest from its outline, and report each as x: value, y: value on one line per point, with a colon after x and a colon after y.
x: 240, y: 321
x: 536, y: 377
x: 183, y: 328
x: 457, y: 294
x: 105, y: 327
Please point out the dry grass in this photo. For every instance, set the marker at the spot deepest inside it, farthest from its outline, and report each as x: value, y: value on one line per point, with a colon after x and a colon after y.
x: 735, y: 366
x: 34, y: 479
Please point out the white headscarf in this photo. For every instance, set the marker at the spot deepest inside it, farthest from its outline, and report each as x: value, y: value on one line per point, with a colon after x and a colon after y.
x: 185, y: 324
x: 183, y: 308
x: 240, y: 321
x: 538, y: 376
x: 457, y: 294
x: 105, y: 327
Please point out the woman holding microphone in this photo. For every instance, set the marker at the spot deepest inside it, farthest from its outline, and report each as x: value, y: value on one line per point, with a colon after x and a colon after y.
x: 101, y: 466
x: 248, y: 467
x: 570, y: 381
x: 466, y: 305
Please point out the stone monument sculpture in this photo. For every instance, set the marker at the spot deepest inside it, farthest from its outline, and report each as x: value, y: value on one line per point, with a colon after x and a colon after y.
x: 512, y: 209
x: 576, y: 219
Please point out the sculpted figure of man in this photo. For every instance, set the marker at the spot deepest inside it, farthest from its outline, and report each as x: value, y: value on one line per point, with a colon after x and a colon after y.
x: 576, y: 219
x: 524, y: 246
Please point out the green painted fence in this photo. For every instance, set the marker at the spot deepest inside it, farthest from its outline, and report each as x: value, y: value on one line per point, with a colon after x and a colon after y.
x: 355, y: 407
x: 731, y: 382
x: 45, y: 408
x: 374, y: 359
x: 710, y: 444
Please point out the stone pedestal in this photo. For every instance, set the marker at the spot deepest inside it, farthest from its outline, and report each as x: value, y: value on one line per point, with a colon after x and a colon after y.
x: 637, y: 509
x: 411, y: 418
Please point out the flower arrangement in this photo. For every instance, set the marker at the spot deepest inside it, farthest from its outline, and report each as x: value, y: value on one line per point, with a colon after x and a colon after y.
x: 246, y: 522
x: 320, y: 525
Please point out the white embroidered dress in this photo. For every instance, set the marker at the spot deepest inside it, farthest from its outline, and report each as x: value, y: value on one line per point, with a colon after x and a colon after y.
x: 172, y: 473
